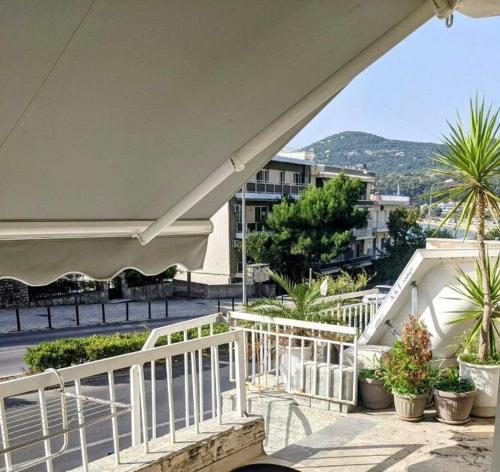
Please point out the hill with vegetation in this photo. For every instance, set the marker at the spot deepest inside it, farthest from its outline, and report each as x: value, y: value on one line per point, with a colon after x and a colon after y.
x: 381, y: 155
x: 406, y: 163
x: 395, y: 161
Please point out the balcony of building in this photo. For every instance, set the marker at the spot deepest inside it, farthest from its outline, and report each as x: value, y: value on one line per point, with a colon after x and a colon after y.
x: 390, y: 199
x: 268, y: 191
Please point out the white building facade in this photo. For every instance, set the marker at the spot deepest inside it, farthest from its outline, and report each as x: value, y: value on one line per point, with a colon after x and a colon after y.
x: 289, y: 174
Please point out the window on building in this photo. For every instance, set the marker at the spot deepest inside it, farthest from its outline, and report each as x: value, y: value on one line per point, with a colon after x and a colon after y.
x: 261, y: 213
x: 282, y: 176
x: 262, y: 176
x: 298, y: 178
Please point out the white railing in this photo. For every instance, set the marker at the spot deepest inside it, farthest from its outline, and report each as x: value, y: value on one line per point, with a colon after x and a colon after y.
x: 358, y: 314
x: 299, y: 357
x: 360, y: 232
x: 182, y: 328
x: 355, y: 315
x: 55, y: 413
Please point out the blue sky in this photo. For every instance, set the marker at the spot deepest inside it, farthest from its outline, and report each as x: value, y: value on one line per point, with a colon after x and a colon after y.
x: 411, y: 91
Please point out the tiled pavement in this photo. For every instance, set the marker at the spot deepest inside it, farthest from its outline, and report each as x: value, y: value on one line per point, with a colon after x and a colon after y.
x: 378, y: 441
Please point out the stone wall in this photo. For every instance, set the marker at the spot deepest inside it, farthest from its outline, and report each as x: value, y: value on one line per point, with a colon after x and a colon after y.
x: 199, y: 290
x: 160, y: 290
x: 13, y: 293
x: 85, y: 298
x: 217, y: 448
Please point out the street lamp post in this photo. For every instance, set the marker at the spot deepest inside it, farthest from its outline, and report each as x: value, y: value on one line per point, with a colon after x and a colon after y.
x: 429, y: 208
x: 243, y: 246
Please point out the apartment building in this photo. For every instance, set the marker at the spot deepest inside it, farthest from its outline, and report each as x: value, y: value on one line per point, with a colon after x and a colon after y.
x: 289, y: 174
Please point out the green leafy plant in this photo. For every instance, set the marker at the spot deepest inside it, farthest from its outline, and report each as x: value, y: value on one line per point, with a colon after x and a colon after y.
x: 345, y: 282
x: 407, y: 366
x: 471, y: 160
x: 71, y: 351
x: 449, y: 380
x: 372, y: 374
x: 471, y: 287
x: 304, y: 302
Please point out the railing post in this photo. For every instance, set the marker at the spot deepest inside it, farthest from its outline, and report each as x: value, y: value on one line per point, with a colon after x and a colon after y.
x: 77, y: 313
x: 240, y: 372
x: 18, y: 320
x: 135, y: 402
x: 126, y: 311
x: 232, y: 303
x: 49, y: 317
x: 149, y: 309
x: 218, y: 305
x: 103, y: 312
x: 166, y: 308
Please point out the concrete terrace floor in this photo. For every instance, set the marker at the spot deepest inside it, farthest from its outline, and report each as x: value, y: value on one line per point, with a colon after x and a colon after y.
x: 378, y: 441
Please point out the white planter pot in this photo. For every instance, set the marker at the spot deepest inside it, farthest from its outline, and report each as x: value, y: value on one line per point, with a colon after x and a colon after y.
x: 486, y: 378
x: 296, y: 366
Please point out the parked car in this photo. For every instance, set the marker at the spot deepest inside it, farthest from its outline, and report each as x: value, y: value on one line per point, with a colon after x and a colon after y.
x: 383, y: 291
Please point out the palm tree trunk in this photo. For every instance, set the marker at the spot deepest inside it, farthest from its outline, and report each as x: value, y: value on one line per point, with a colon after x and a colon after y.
x: 487, y: 309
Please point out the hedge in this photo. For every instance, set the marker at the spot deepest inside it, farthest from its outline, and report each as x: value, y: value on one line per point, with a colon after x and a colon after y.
x: 70, y: 351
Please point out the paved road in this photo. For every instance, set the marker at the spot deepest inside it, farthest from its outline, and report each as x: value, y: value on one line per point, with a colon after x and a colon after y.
x: 64, y: 316
x: 13, y: 346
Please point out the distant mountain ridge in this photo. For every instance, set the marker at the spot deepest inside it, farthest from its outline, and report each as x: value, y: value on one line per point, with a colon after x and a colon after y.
x: 381, y: 155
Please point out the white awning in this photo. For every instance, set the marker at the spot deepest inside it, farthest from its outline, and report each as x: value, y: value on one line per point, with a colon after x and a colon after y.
x: 139, y: 119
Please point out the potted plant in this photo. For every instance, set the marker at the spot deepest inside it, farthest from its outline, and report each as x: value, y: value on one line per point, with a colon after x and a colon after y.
x: 407, y: 370
x: 471, y: 161
x: 372, y: 391
x: 482, y: 369
x: 453, y: 397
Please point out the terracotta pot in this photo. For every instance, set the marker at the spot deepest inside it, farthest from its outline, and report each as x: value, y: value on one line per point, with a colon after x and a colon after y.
x: 373, y: 394
x: 410, y: 407
x: 486, y: 379
x: 453, y: 408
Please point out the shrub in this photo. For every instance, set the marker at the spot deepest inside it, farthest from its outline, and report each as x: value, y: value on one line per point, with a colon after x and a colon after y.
x: 408, y: 364
x: 134, y: 278
x: 66, y: 352
x: 55, y: 354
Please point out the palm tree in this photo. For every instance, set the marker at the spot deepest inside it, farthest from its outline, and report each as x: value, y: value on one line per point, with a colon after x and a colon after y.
x: 304, y: 303
x: 471, y: 160
x: 471, y: 288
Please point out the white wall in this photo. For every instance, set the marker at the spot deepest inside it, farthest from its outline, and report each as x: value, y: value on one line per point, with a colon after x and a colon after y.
x: 216, y: 267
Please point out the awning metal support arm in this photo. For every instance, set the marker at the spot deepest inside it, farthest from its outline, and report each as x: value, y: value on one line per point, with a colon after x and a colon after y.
x: 292, y: 117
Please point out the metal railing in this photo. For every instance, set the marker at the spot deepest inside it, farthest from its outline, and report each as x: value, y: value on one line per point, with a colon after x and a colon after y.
x: 52, y: 415
x: 256, y: 226
x: 359, y: 232
x: 299, y: 357
x: 275, y: 189
x: 346, y: 263
x: 356, y: 315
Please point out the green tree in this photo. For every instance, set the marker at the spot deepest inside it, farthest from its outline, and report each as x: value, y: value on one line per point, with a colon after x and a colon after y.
x: 256, y: 246
x: 472, y: 159
x: 316, y: 228
x: 442, y: 233
x: 494, y: 234
x: 406, y: 235
x: 404, y: 228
